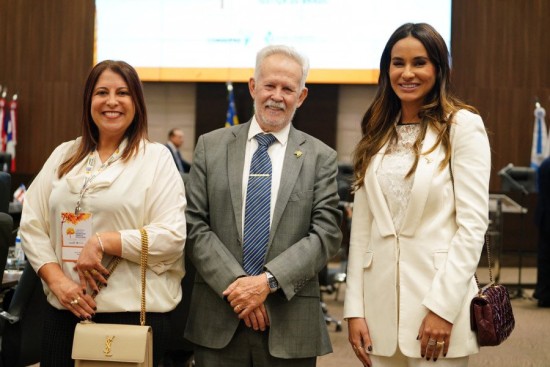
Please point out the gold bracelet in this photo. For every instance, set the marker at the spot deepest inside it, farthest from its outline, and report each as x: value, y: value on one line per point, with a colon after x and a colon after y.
x: 100, y: 242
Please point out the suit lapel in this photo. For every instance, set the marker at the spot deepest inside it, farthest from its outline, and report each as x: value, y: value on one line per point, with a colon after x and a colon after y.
x: 427, y: 164
x: 235, y: 158
x: 291, y: 168
x: 377, y: 201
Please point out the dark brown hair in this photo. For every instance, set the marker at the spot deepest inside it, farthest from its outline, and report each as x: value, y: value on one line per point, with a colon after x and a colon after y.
x: 440, y: 104
x: 137, y: 130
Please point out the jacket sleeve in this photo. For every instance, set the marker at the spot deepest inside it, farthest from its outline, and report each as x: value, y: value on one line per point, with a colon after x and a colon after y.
x: 471, y: 167
x: 211, y: 258
x: 164, y: 213
x: 35, y: 218
x: 304, y: 259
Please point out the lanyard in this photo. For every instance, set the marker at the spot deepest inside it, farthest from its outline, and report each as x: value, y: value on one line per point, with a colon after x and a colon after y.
x: 91, y: 176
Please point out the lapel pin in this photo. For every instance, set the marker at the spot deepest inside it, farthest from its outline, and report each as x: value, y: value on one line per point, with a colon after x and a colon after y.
x: 298, y: 153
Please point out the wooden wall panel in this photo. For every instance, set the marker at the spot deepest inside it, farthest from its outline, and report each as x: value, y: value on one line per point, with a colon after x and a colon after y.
x: 46, y: 50
x: 501, y: 63
x: 317, y: 115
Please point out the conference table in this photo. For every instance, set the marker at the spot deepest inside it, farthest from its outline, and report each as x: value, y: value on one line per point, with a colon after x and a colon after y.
x: 498, y: 205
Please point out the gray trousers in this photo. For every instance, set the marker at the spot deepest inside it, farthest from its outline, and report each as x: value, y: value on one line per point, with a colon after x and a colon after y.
x: 248, y: 348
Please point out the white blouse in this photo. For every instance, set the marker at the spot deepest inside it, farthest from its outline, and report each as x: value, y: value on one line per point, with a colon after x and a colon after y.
x: 391, y: 173
x: 145, y: 191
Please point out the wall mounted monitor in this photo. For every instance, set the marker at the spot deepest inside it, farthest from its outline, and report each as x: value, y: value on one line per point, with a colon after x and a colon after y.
x: 217, y: 40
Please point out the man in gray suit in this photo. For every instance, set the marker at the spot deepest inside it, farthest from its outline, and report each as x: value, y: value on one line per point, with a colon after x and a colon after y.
x: 271, y: 317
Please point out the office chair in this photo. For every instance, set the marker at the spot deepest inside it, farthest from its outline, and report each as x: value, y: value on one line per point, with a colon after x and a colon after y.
x: 331, y: 279
x: 325, y: 287
x: 5, y: 191
x: 6, y: 227
x: 21, y: 324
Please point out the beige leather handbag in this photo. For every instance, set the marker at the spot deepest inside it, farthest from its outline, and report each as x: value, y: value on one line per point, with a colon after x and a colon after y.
x: 116, y: 345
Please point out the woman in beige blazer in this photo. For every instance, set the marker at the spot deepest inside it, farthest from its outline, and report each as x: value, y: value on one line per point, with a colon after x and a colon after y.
x: 420, y: 211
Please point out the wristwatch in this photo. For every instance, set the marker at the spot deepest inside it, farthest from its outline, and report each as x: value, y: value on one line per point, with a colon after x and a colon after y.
x: 272, y: 282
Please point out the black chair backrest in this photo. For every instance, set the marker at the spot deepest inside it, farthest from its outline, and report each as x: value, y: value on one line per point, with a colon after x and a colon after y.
x: 5, y: 162
x: 344, y: 179
x: 6, y: 228
x: 21, y: 341
x: 5, y: 191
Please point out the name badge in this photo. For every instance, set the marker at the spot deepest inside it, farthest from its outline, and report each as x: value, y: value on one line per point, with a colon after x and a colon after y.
x: 76, y: 229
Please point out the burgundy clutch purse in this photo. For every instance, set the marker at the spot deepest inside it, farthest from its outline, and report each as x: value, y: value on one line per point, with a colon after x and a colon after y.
x: 491, y: 316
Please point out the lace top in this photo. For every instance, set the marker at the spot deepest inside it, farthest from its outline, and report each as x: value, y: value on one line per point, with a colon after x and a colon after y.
x: 391, y: 173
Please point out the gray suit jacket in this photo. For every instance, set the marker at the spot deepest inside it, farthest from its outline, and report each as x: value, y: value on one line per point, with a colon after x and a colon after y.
x: 305, y: 234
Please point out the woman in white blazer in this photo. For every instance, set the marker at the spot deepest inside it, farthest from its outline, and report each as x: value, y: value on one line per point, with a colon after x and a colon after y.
x: 420, y: 212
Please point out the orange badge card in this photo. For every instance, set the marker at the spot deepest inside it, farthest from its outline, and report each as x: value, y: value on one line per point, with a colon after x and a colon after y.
x: 76, y: 229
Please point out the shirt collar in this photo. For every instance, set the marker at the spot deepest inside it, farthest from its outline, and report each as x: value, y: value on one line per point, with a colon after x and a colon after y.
x: 281, y: 135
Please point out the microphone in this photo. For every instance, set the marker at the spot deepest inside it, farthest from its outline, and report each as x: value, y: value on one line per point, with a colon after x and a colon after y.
x: 505, y: 170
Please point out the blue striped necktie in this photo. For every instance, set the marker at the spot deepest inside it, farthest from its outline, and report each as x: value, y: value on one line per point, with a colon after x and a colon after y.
x: 257, y: 208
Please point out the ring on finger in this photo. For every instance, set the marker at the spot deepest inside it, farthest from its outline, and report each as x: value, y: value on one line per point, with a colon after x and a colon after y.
x: 74, y: 301
x: 238, y: 307
x: 431, y: 342
x: 86, y: 272
x: 94, y: 272
x: 441, y: 343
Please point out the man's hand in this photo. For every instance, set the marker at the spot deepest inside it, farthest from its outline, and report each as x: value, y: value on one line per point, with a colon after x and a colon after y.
x: 246, y: 294
x: 257, y: 319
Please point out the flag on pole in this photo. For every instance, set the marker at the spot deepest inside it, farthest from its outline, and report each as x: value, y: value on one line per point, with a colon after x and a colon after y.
x: 231, y: 117
x: 3, y: 111
x: 19, y: 194
x: 539, y: 149
x: 10, y: 130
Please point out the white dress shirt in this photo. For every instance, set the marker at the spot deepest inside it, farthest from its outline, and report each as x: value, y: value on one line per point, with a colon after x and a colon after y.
x: 276, y: 152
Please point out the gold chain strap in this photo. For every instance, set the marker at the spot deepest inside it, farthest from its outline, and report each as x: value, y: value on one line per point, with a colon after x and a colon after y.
x: 143, y: 265
x: 144, y: 257
x: 489, y: 258
x: 489, y: 264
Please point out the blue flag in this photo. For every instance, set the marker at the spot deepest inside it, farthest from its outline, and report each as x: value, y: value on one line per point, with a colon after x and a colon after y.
x: 539, y: 149
x: 231, y: 117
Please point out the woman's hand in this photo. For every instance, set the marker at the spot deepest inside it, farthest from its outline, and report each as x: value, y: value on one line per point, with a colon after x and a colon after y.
x: 89, y: 267
x: 71, y: 295
x: 359, y: 338
x: 434, y: 335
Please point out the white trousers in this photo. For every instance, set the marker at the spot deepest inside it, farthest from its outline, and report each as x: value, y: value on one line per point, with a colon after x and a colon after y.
x: 400, y: 360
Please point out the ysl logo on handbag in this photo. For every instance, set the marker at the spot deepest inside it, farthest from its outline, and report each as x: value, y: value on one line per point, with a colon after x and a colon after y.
x: 108, y: 344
